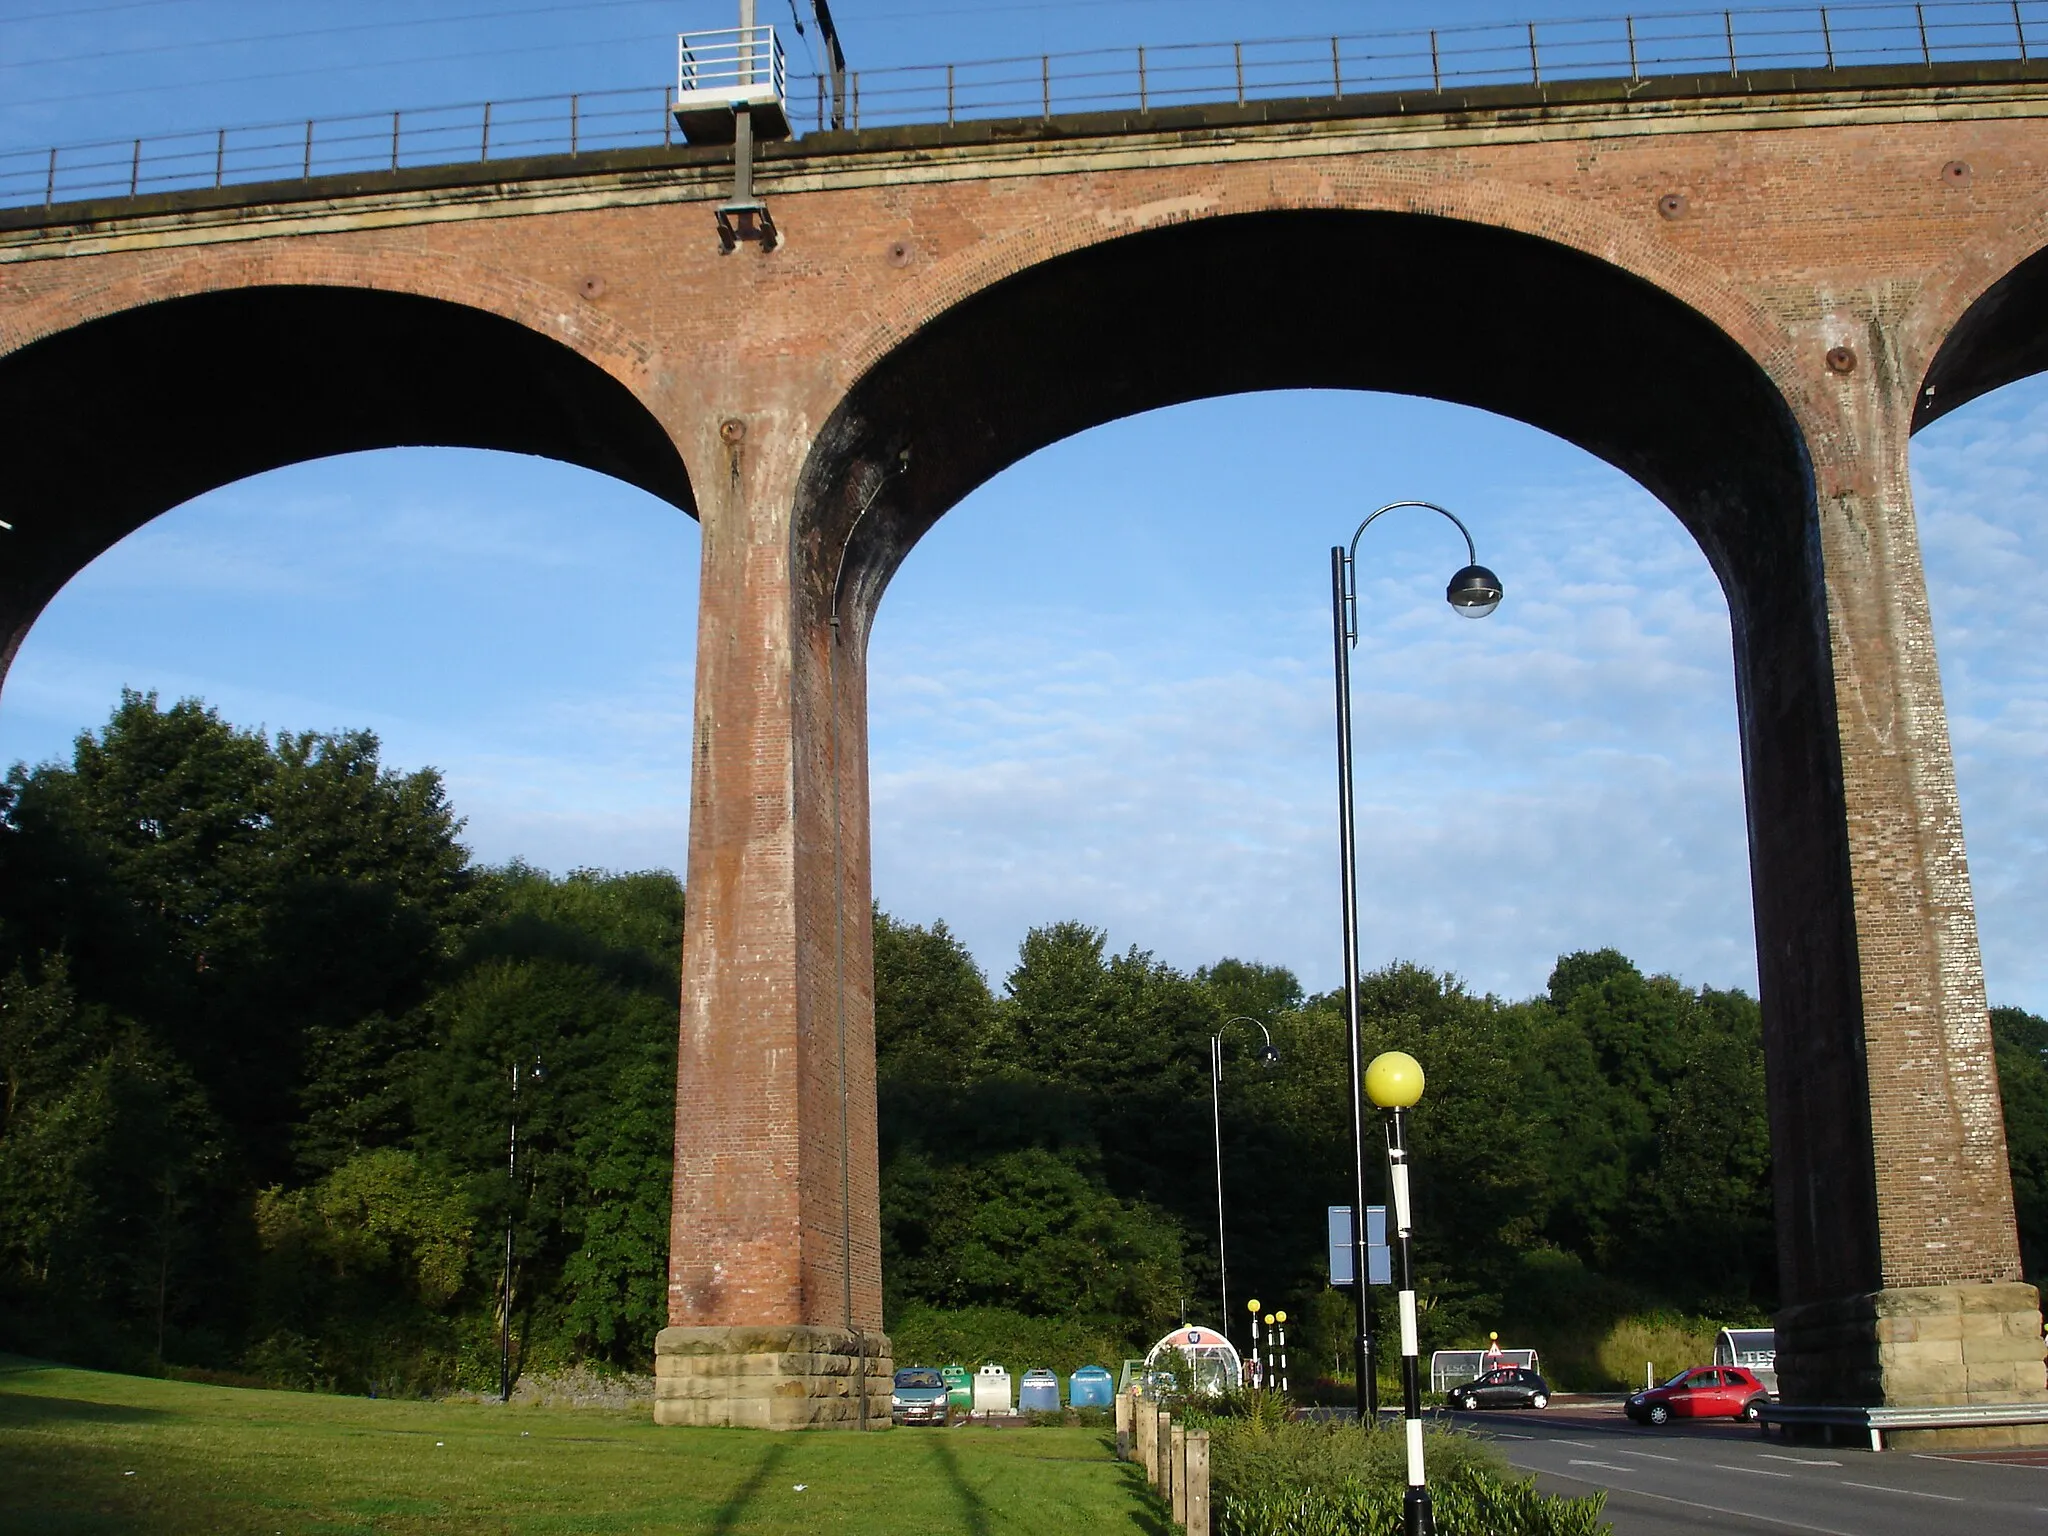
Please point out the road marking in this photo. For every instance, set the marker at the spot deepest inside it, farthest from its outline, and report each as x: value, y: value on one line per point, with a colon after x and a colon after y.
x: 1718, y: 1509
x: 1606, y: 1466
x: 1915, y: 1493
x: 1651, y: 1454
x: 1584, y: 1445
x: 1804, y: 1461
x: 1505, y: 1434
x: 1752, y: 1471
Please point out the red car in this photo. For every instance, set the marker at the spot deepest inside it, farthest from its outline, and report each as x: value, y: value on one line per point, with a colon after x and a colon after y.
x: 1701, y: 1392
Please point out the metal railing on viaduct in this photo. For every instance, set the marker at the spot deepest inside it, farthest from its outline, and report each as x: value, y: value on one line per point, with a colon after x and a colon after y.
x: 1734, y: 42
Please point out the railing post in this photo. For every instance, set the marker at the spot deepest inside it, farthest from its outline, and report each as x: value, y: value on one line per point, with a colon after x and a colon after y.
x: 574, y: 103
x: 2019, y: 28
x: 1535, y: 64
x: 50, y: 185
x: 949, y: 95
x: 1827, y: 35
x: 1197, y: 1518
x: 1045, y: 83
x: 1237, y: 51
x: 1436, y: 68
x: 484, y: 149
x: 1920, y: 17
x: 394, y: 141
x: 1337, y: 69
x: 856, y: 101
x: 306, y: 170
x: 1144, y: 99
x: 1177, y: 1460
x: 220, y: 156
x: 1634, y: 73
x: 1728, y: 21
x: 819, y: 81
x: 135, y: 169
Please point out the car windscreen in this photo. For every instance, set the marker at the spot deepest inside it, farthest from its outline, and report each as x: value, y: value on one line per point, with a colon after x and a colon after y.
x: 918, y: 1379
x: 1679, y: 1379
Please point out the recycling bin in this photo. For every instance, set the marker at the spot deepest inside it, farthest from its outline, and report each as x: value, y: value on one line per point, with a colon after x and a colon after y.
x: 1091, y: 1387
x: 1039, y: 1392
x: 959, y: 1389
x: 991, y: 1390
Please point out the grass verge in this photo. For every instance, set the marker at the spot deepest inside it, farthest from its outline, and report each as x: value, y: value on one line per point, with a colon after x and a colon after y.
x: 90, y: 1452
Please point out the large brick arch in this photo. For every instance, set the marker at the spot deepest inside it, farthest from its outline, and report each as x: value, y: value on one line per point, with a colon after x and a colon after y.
x: 139, y: 406
x: 1480, y: 315
x: 1980, y: 323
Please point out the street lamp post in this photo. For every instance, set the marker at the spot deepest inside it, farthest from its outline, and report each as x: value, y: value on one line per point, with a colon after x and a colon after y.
x: 1474, y: 592
x: 1394, y: 1080
x: 1268, y: 1056
x: 511, y: 1208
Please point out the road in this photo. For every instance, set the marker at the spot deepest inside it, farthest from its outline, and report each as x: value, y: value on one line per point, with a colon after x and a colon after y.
x: 1728, y: 1479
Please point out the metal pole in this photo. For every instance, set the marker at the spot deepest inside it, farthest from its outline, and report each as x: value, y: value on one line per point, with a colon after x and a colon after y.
x: 1436, y: 68
x: 1535, y: 64
x: 1634, y: 73
x: 1336, y: 69
x: 1920, y: 17
x: 2019, y: 28
x: 50, y: 185
x: 1045, y: 82
x: 1827, y: 36
x: 505, y: 1288
x: 1216, y: 1125
x: 1144, y: 99
x: 949, y: 95
x: 1237, y: 50
x: 135, y: 169
x: 484, y: 149
x: 220, y: 156
x: 1347, y: 858
x: 307, y: 169
x: 394, y: 141
x: 1728, y: 22
x: 574, y: 114
x: 1416, y: 1508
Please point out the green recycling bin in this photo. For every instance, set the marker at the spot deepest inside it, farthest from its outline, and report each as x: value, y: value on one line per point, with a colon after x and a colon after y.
x: 959, y: 1389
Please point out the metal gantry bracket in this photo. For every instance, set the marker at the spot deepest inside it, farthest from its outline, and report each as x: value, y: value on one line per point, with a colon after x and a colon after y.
x: 732, y: 83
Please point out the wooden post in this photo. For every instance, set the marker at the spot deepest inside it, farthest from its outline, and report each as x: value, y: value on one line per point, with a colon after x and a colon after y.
x: 1197, y: 1518
x: 1177, y: 1466
x: 1146, y: 1427
x: 1162, y: 1450
x: 1123, y: 1426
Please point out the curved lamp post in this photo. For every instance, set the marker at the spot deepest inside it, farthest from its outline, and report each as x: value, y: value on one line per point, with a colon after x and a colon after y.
x: 1474, y: 592
x: 1268, y: 1057
x: 1394, y: 1081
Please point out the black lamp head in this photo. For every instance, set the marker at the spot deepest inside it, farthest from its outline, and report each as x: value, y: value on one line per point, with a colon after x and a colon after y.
x: 1474, y: 592
x: 1269, y: 1055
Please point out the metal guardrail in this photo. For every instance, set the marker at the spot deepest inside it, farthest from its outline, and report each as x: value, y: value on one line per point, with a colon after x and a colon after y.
x: 1733, y: 42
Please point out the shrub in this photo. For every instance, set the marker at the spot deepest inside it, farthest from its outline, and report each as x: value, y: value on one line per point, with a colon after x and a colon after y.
x: 1479, y: 1505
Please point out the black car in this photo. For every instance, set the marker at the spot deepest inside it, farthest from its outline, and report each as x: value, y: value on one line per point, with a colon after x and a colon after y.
x: 1508, y: 1387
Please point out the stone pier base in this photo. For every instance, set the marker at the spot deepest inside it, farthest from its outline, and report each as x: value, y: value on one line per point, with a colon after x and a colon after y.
x: 772, y: 1378
x: 1919, y: 1347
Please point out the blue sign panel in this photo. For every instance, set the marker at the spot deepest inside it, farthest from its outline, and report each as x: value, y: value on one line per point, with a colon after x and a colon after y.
x: 1379, y: 1259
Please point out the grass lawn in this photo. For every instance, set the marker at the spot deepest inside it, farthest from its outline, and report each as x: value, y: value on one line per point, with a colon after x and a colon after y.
x: 89, y: 1452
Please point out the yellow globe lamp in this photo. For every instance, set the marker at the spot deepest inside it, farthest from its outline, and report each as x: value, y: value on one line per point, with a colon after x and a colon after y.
x: 1279, y: 1317
x: 1269, y: 1319
x: 1252, y: 1306
x: 1394, y: 1080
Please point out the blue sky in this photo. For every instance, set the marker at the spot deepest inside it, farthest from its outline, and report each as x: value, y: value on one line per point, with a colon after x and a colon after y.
x: 1101, y: 684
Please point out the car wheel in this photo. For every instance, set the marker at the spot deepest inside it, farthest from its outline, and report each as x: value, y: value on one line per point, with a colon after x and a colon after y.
x: 1540, y: 1400
x: 1658, y: 1414
x: 1753, y: 1411
x: 1468, y: 1402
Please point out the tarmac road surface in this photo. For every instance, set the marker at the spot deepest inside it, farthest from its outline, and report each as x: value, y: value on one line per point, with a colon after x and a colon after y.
x: 1729, y: 1479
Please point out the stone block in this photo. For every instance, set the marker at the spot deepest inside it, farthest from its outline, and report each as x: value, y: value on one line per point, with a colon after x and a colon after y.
x: 771, y: 1378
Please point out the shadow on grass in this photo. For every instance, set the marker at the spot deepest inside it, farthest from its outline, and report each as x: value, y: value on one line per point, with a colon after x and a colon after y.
x: 730, y: 1513
x: 1149, y: 1512
x: 21, y: 1410
x: 973, y: 1508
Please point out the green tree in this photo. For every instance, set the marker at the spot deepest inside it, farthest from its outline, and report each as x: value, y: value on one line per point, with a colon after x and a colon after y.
x: 2020, y: 1040
x: 932, y: 1004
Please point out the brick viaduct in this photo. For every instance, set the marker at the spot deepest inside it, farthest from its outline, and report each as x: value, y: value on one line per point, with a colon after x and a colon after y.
x: 1745, y: 292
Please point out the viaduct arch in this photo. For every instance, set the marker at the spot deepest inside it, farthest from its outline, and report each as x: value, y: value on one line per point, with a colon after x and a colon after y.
x: 1663, y: 282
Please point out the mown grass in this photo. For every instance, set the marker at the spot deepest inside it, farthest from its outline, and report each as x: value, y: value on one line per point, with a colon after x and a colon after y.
x: 84, y: 1451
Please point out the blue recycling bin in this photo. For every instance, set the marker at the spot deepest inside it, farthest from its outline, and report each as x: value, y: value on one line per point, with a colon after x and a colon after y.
x: 1039, y: 1392
x: 1091, y: 1387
